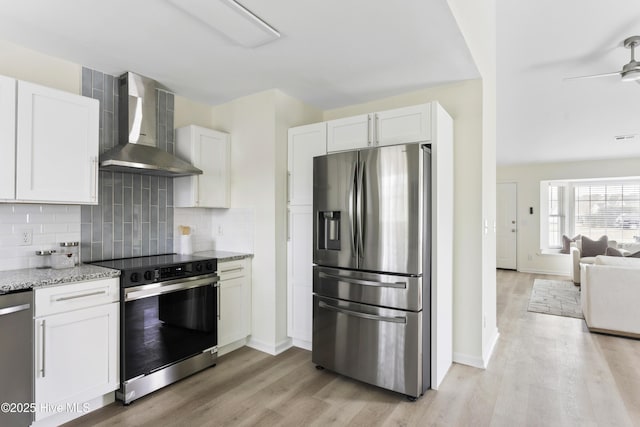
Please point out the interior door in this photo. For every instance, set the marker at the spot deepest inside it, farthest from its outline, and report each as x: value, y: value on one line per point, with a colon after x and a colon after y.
x: 334, y: 195
x: 389, y: 205
x: 507, y: 226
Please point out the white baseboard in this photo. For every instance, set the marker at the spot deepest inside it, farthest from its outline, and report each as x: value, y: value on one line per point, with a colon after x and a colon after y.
x: 302, y: 344
x: 550, y: 272
x: 269, y: 348
x: 489, y: 351
x: 466, y: 359
x: 475, y: 361
x: 231, y: 347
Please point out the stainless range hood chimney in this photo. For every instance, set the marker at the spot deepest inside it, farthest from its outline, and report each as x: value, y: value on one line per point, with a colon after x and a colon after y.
x: 137, y: 152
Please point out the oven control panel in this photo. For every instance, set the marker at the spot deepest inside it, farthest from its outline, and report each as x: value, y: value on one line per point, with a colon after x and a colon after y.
x: 147, y: 275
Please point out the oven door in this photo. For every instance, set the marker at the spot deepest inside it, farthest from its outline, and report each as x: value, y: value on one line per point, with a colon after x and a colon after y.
x: 164, y: 323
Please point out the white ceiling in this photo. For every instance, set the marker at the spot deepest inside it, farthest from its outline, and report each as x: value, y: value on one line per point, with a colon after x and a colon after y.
x: 332, y: 53
x: 542, y: 118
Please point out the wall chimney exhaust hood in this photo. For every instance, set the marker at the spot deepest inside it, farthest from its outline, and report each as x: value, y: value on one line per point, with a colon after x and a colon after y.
x: 137, y: 151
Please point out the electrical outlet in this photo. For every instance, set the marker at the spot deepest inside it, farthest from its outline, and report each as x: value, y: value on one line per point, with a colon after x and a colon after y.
x: 220, y: 231
x: 26, y: 237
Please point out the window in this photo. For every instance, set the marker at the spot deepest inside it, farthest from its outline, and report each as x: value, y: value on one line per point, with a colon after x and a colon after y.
x: 556, y: 215
x: 590, y: 208
x: 611, y: 209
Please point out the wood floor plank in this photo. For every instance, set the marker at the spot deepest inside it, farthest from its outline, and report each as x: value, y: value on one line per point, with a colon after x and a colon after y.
x: 546, y: 370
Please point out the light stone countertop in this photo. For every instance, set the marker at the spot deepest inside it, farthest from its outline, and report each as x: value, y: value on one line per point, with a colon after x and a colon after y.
x: 13, y: 280
x: 223, y: 255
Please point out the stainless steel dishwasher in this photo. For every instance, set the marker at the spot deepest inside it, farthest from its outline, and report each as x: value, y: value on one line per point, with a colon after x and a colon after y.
x: 16, y: 367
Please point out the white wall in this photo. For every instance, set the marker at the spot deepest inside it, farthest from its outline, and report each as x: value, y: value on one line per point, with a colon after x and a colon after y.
x: 258, y: 126
x: 477, y: 22
x: 29, y: 65
x: 528, y: 177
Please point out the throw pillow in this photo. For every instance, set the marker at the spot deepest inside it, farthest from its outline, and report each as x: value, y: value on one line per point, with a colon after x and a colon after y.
x: 566, y: 243
x: 592, y: 248
x: 613, y: 252
x: 634, y: 255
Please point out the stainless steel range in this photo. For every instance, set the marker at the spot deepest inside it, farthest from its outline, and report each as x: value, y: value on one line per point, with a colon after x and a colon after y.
x: 168, y: 320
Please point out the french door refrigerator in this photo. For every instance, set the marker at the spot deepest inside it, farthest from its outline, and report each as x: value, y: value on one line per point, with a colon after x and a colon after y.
x: 371, y: 278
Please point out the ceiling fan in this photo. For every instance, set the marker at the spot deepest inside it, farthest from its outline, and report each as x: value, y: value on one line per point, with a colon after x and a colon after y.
x: 630, y: 71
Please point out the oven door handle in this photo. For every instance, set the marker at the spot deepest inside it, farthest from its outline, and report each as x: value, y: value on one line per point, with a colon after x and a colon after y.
x: 154, y: 289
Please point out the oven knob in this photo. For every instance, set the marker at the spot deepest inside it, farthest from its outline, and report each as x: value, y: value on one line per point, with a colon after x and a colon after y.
x: 209, y: 266
x: 135, y: 277
x: 148, y: 275
x: 198, y: 267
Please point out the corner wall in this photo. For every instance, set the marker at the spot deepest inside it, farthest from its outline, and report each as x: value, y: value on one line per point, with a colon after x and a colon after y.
x: 258, y: 126
x: 477, y: 22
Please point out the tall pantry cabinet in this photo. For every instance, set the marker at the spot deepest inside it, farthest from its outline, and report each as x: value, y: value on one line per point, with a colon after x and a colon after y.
x: 305, y: 142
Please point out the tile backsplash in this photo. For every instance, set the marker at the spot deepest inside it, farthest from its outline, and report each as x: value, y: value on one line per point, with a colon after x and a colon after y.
x: 220, y: 229
x: 49, y: 225
x: 234, y: 229
x: 135, y: 214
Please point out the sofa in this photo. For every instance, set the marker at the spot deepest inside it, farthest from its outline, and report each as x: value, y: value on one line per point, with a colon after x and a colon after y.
x: 610, y: 292
x: 577, y: 257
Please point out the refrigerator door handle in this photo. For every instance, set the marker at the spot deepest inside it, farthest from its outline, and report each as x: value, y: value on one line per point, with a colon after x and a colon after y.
x: 398, y: 285
x: 398, y: 319
x: 351, y: 201
x: 360, y: 200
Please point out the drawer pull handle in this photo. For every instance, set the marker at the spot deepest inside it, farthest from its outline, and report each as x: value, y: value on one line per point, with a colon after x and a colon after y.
x: 232, y: 269
x: 367, y: 316
x: 90, y: 294
x: 397, y: 285
x: 42, y: 349
x: 14, y: 309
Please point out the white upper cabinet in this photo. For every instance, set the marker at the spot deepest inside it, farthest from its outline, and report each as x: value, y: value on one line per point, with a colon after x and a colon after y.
x: 210, y: 151
x: 398, y: 126
x: 305, y: 142
x: 349, y: 133
x: 56, y: 146
x: 7, y: 138
x: 403, y: 125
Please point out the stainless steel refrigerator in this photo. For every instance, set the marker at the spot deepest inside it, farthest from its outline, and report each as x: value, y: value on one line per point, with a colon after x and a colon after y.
x: 371, y: 278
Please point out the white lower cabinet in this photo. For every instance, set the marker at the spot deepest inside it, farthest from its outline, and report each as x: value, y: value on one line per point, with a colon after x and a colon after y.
x: 234, y: 304
x: 76, y: 354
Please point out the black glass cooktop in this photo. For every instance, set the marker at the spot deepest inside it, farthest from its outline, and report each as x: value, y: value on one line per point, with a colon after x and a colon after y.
x: 151, y: 261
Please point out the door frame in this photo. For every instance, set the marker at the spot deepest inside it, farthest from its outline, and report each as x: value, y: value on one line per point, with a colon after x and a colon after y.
x: 515, y: 183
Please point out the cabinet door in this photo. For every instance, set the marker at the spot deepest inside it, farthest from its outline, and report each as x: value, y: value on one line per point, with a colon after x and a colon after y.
x: 349, y: 133
x: 76, y: 356
x: 57, y: 146
x: 403, y: 125
x: 231, y: 325
x: 234, y: 311
x: 210, y: 151
x: 300, y: 275
x: 305, y: 142
x: 7, y: 138
x: 215, y: 157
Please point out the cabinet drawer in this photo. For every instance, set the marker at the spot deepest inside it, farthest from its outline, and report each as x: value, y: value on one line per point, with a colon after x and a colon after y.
x: 75, y: 296
x: 232, y: 269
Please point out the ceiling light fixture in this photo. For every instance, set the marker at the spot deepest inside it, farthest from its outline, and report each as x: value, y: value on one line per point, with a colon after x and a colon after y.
x: 231, y: 19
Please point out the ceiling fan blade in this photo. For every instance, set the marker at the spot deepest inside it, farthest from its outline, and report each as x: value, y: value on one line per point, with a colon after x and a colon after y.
x: 593, y: 76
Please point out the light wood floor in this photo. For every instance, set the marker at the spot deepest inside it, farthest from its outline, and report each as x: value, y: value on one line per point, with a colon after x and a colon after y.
x: 546, y: 371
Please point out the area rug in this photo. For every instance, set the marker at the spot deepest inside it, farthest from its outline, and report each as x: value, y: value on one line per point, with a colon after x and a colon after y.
x: 557, y: 297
